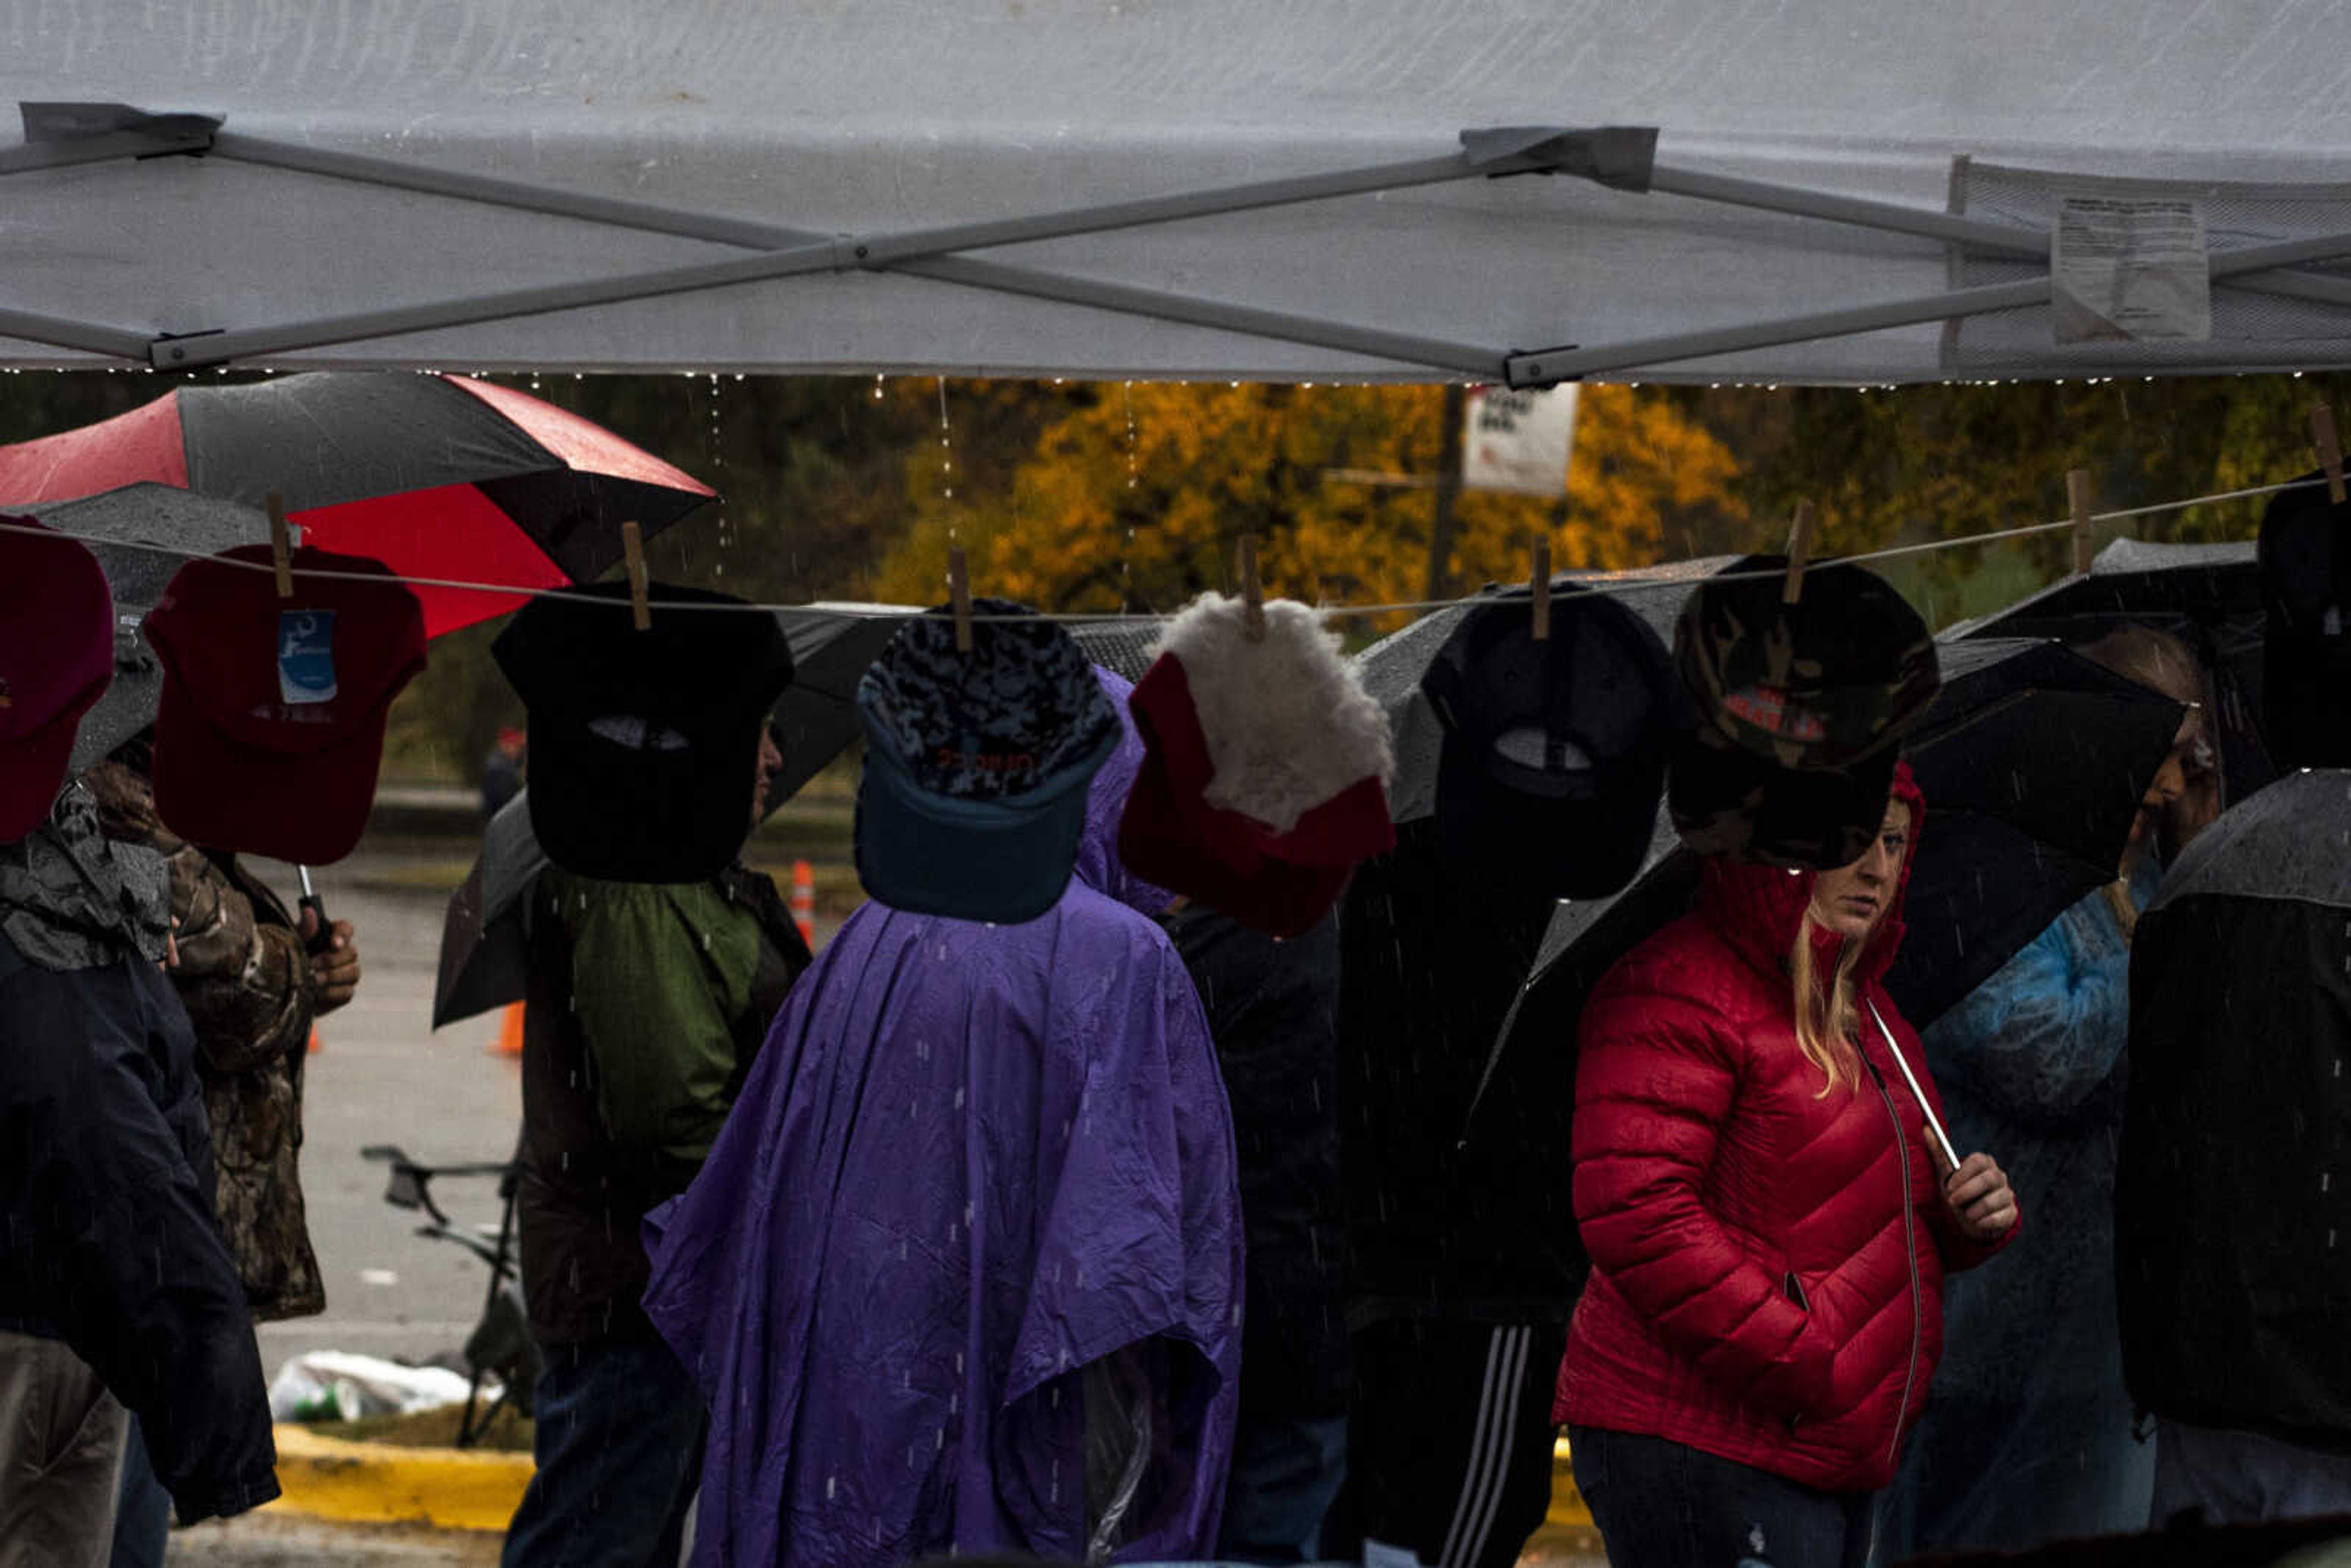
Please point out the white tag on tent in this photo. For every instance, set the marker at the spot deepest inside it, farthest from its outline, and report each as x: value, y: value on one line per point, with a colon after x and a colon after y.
x: 2125, y: 268
x: 1518, y: 441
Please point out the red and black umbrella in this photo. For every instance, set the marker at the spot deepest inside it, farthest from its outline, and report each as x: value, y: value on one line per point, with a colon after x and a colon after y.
x: 435, y: 476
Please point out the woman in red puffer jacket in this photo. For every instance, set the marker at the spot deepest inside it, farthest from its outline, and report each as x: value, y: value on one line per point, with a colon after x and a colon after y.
x: 1768, y: 1222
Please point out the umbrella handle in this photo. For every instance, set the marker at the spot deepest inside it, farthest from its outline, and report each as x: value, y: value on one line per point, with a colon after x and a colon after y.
x: 324, y: 937
x: 1917, y: 1094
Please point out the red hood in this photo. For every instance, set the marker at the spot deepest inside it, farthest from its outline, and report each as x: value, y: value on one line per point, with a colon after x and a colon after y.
x: 1756, y: 908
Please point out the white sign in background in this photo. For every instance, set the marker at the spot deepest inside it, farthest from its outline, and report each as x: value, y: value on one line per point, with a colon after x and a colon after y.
x: 1518, y: 441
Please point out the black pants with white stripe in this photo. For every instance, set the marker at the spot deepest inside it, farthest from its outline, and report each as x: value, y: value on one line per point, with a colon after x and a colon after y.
x: 1449, y: 1438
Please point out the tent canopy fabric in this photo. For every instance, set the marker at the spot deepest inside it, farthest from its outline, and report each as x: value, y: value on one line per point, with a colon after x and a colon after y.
x: 791, y: 125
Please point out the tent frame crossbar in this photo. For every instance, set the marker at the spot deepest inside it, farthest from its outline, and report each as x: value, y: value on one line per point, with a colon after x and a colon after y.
x: 65, y: 135
x: 1569, y: 364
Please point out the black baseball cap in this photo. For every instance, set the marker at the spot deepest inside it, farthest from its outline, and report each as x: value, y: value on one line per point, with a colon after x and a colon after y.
x: 644, y: 745
x: 1554, y: 751
x: 1802, y: 710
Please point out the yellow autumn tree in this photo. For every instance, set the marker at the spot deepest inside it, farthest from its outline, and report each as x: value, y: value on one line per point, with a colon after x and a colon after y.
x: 1135, y: 499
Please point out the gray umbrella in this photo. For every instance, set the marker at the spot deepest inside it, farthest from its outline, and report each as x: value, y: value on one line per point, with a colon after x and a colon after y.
x: 2292, y: 841
x: 484, y: 952
x: 161, y: 515
x: 1124, y: 645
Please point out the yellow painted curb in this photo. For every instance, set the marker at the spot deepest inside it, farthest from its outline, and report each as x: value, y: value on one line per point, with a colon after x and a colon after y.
x: 1566, y: 1502
x: 453, y: 1489
x: 376, y: 1484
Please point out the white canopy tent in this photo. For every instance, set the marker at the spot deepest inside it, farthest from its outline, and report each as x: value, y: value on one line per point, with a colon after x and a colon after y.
x: 984, y: 186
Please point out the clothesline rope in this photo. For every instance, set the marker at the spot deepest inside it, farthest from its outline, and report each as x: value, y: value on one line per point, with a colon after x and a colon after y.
x: 1626, y: 579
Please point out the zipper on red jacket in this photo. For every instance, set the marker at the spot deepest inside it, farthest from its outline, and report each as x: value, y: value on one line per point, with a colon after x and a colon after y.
x: 1910, y: 1243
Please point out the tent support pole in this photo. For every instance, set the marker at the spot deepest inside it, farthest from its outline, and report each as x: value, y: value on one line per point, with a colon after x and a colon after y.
x: 804, y: 256
x: 1029, y: 282
x: 1544, y: 367
x: 61, y: 333
x: 1969, y: 233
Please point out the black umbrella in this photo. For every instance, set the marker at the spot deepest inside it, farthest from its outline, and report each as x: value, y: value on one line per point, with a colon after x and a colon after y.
x: 112, y: 525
x: 483, y: 962
x: 2033, y: 761
x: 1391, y: 668
x: 2207, y: 596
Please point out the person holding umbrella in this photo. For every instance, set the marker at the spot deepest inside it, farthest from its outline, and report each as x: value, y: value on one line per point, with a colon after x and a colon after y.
x: 1770, y: 1217
x: 2030, y: 1439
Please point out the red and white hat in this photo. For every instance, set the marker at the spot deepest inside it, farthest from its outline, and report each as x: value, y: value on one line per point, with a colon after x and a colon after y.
x: 1266, y: 765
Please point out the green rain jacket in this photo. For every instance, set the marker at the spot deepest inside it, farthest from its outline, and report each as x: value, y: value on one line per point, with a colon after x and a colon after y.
x: 647, y: 1004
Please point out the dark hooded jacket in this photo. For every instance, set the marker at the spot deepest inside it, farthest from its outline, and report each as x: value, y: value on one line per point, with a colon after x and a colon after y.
x: 1448, y: 1220
x: 2233, y: 1195
x: 108, y: 1239
x: 1273, y: 1011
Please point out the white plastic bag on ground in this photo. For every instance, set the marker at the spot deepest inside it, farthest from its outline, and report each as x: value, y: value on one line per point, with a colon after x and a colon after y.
x: 338, y: 1386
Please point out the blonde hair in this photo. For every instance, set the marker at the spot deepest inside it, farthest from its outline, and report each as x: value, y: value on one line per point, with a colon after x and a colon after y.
x: 1825, y: 1023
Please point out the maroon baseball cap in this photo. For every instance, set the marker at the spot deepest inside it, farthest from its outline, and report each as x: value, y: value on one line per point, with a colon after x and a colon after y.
x: 57, y: 655
x: 271, y: 724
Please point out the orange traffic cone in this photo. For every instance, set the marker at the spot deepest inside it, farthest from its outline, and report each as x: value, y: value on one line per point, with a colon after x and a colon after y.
x: 804, y: 900
x: 509, y: 1040
x: 313, y: 1042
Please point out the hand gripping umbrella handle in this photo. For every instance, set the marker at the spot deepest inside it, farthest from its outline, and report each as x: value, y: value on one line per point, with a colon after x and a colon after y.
x: 323, y: 938
x: 1925, y: 1108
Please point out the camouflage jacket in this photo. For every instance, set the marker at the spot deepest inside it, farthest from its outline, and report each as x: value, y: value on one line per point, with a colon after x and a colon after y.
x: 246, y: 981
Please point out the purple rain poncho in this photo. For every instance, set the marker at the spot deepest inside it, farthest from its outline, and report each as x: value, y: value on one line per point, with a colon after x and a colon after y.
x: 970, y: 1161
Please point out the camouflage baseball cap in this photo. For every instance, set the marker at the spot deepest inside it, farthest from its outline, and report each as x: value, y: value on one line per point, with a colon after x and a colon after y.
x: 1802, y: 710
x: 1822, y: 683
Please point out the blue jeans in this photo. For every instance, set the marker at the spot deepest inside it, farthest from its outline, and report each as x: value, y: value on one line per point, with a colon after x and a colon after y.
x: 1285, y: 1473
x: 619, y: 1448
x: 142, y: 1509
x: 1663, y: 1504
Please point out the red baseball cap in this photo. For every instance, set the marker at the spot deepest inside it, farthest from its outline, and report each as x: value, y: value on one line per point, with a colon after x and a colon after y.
x: 271, y: 725
x: 1281, y: 882
x: 56, y: 656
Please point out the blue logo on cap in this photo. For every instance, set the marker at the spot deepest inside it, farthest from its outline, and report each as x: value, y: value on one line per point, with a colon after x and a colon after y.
x: 306, y: 657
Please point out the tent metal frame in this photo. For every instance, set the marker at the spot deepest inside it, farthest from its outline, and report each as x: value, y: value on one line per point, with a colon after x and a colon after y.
x: 62, y: 135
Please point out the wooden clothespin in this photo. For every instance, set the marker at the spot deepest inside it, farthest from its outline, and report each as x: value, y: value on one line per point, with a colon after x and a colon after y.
x: 1800, y: 554
x: 2330, y: 450
x: 1541, y: 582
x: 1252, y: 591
x: 633, y: 541
x: 2077, y: 497
x: 281, y: 543
x: 959, y: 597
